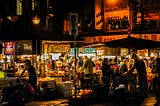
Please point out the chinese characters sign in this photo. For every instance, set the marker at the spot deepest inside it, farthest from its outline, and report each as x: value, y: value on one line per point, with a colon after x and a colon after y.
x: 9, y: 48
x: 56, y: 48
x: 155, y: 37
x: 98, y: 15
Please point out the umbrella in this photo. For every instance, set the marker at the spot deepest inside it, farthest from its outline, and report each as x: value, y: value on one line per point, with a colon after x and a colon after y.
x: 133, y: 43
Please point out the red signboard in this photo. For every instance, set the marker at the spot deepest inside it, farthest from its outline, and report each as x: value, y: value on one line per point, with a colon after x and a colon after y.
x: 9, y: 48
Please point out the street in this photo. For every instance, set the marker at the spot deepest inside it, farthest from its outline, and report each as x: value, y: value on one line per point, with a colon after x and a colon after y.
x: 149, y: 101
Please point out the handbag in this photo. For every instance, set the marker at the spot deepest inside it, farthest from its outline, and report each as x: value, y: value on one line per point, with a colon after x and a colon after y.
x: 30, y: 88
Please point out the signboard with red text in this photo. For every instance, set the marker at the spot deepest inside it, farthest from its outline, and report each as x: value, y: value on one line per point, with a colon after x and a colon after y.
x: 155, y: 37
x: 9, y: 48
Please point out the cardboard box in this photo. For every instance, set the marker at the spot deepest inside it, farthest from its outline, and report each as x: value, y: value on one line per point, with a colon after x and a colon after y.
x: 65, y: 86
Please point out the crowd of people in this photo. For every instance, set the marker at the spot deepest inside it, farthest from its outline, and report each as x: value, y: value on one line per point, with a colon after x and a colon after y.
x: 134, y: 83
x: 121, y: 75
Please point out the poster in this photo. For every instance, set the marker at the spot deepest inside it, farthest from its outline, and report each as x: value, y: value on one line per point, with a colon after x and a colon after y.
x: 24, y: 47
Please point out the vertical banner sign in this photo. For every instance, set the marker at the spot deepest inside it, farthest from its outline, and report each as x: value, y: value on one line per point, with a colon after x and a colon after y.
x: 73, y: 23
x: 66, y: 26
x: 98, y: 14
x: 19, y: 7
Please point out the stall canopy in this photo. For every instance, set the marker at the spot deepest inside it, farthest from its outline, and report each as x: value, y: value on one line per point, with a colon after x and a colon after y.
x: 133, y: 43
x: 86, y: 45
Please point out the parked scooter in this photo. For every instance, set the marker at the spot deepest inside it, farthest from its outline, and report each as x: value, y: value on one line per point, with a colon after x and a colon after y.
x: 13, y: 95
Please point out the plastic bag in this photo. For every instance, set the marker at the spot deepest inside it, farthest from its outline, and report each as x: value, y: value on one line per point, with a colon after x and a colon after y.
x: 31, y: 90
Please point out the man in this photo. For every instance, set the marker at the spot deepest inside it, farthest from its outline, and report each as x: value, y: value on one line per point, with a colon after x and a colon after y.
x: 32, y: 74
x: 139, y: 65
x: 87, y: 69
x: 155, y: 69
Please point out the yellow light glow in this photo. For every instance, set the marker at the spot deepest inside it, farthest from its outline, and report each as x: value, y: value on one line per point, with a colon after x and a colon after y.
x: 111, y: 2
x: 146, y: 54
x: 36, y: 20
x: 51, y: 15
x: 140, y: 57
x: 152, y: 55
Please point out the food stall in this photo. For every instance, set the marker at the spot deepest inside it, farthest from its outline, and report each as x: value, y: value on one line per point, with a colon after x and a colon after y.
x: 53, y: 67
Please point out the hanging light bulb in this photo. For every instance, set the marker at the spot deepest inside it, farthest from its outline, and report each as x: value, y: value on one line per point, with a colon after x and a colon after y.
x: 36, y: 20
x: 13, y: 18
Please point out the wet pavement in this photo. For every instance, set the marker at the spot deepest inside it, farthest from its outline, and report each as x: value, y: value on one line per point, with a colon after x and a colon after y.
x: 149, y: 101
x: 56, y: 102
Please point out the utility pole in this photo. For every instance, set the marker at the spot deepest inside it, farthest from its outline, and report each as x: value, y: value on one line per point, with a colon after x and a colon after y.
x: 73, y: 17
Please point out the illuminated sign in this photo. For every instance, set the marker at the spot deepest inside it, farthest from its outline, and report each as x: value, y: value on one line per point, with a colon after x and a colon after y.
x: 72, y: 51
x: 66, y: 26
x: 19, y: 7
x: 9, y: 48
x: 155, y: 37
x: 98, y: 15
x: 56, y: 48
x: 115, y: 5
x: 116, y: 15
x: 88, y: 50
x: 103, y: 38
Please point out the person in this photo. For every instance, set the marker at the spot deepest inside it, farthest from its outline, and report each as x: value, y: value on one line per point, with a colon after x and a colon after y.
x: 139, y: 65
x: 11, y: 69
x: 106, y: 72
x: 87, y: 69
x: 32, y: 75
x: 124, y: 69
x: 155, y: 69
